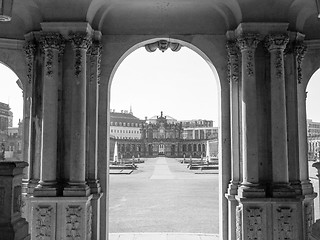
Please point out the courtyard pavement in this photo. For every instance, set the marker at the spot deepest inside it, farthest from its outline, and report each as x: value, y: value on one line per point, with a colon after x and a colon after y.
x: 163, y: 200
x: 163, y: 196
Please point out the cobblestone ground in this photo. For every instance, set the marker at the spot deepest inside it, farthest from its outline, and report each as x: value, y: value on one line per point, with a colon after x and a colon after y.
x: 164, y: 196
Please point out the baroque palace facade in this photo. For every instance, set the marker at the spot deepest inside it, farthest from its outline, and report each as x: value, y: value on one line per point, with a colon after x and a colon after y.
x: 161, y: 136
x: 262, y: 54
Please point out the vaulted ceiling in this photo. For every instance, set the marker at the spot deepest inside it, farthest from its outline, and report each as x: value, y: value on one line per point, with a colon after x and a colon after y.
x: 162, y: 16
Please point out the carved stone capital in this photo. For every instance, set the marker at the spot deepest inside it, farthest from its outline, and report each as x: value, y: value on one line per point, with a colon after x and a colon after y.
x: 96, y: 48
x: 30, y: 50
x: 276, y: 41
x: 51, y: 40
x: 233, y: 60
x: 299, y: 50
x: 81, y: 40
x: 248, y: 41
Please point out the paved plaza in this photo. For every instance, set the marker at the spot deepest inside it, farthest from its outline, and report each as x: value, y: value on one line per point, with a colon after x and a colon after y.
x: 162, y: 195
x: 163, y: 200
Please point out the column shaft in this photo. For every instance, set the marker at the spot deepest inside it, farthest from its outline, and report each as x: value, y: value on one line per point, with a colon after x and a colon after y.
x: 247, y: 45
x: 51, y: 43
x: 77, y: 185
x: 276, y: 45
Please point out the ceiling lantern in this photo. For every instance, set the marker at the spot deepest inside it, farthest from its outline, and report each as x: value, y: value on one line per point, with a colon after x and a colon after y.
x: 5, y: 10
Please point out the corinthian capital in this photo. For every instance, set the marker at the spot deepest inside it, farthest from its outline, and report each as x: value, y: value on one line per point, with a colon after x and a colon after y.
x: 276, y: 41
x: 51, y: 40
x: 232, y: 48
x: 248, y: 41
x: 299, y: 51
x: 81, y: 40
x: 30, y: 50
x: 96, y: 48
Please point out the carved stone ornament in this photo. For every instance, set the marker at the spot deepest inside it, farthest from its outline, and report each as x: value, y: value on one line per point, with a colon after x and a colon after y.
x: 51, y: 41
x: 233, y: 61
x: 276, y: 41
x: 96, y: 52
x: 239, y: 223
x: 248, y: 41
x: 309, y: 218
x: 285, y: 225
x: 163, y: 45
x: 43, y: 222
x: 299, y: 51
x: 73, y: 223
x: 247, y: 44
x: 89, y: 222
x: 81, y: 41
x: 254, y: 224
x: 30, y: 49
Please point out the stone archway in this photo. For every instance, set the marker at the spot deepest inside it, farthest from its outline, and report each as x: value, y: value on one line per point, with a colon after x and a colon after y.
x: 217, y: 62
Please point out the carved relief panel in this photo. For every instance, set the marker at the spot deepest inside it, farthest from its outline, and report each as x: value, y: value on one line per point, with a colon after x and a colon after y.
x: 44, y: 220
x: 254, y: 224
x: 73, y: 223
x: 285, y: 223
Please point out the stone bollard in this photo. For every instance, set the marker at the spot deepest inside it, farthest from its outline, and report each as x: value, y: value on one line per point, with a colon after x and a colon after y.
x: 12, y: 225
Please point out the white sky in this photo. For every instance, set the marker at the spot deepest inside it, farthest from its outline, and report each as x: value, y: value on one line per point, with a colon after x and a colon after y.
x: 11, y: 93
x: 181, y: 84
x: 313, y: 97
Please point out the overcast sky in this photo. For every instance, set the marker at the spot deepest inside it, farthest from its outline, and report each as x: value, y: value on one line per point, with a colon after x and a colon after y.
x: 181, y: 84
x: 11, y: 93
x: 313, y: 97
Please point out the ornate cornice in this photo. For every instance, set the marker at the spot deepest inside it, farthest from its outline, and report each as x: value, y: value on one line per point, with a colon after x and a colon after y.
x: 276, y: 41
x: 30, y: 49
x: 299, y: 50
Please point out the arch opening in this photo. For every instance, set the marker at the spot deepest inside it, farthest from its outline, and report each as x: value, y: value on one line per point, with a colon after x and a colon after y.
x: 149, y: 150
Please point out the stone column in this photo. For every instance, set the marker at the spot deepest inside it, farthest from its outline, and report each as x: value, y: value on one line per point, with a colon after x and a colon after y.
x: 276, y: 43
x: 233, y: 76
x: 30, y: 49
x: 51, y: 43
x: 250, y: 182
x: 299, y: 51
x: 12, y: 225
x: 92, y: 138
x: 77, y: 186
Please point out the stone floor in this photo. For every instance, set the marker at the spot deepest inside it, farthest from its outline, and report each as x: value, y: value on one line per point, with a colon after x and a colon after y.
x: 162, y: 195
x: 162, y: 236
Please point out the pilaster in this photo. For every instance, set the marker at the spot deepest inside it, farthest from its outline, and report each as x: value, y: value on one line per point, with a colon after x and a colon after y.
x: 51, y: 43
x: 77, y: 186
x: 247, y: 43
x: 235, y: 81
x: 276, y: 43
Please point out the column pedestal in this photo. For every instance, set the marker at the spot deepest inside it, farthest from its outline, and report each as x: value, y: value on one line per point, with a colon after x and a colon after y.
x: 12, y: 225
x: 61, y: 218
x: 269, y: 218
